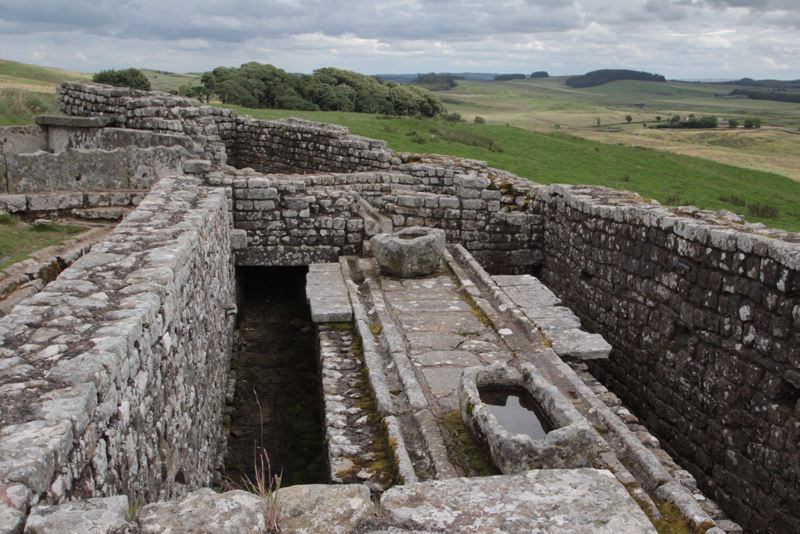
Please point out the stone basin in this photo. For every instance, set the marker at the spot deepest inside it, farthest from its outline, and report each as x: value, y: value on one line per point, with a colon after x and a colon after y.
x: 415, y: 251
x: 570, y: 445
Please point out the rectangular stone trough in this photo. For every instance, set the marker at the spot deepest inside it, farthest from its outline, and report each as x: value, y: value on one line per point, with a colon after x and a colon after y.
x: 571, y: 444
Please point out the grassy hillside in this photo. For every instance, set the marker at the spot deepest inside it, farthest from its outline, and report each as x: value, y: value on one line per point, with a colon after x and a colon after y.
x: 167, y: 81
x: 547, y: 104
x: 35, y: 78
x: 560, y: 157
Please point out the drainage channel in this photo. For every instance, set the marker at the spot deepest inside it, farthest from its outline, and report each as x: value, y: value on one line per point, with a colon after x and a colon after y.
x: 277, y: 400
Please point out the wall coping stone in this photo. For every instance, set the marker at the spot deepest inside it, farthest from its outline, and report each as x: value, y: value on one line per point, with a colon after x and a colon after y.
x: 67, y: 121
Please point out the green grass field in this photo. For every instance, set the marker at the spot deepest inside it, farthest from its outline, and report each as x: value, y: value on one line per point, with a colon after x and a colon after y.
x: 559, y: 157
x: 32, y: 74
x: 167, y: 81
x: 17, y: 241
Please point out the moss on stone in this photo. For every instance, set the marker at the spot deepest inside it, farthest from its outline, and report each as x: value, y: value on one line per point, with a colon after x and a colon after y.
x: 467, y: 452
x: 672, y: 521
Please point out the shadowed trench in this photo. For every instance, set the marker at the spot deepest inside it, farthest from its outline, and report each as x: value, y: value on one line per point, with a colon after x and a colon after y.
x: 277, y: 379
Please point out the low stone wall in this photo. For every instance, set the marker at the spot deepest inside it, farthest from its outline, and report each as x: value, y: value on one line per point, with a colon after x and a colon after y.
x: 113, y: 376
x: 290, y: 223
x: 295, y: 146
x: 82, y: 170
x: 302, y: 219
x: 703, y: 313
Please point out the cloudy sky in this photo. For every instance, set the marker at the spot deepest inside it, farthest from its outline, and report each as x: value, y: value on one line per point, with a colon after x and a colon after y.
x: 686, y: 39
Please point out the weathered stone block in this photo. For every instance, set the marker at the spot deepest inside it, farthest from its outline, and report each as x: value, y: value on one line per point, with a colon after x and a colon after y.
x: 89, y: 516
x: 321, y: 509
x: 206, y: 512
x: 583, y: 500
x: 414, y: 251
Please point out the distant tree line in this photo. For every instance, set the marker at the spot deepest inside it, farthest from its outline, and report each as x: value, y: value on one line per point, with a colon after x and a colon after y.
x: 254, y: 85
x: 775, y: 84
x: 600, y: 77
x: 134, y: 78
x: 765, y: 95
x: 435, y: 82
x: 507, y: 77
x: 540, y: 74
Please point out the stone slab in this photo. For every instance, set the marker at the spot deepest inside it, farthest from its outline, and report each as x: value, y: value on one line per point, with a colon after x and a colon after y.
x: 460, y: 358
x: 442, y: 380
x: 66, y: 121
x: 579, y: 344
x: 463, y: 323
x: 418, y: 341
x: 451, y: 305
x: 531, y: 297
x: 205, y: 512
x: 92, y: 516
x: 553, y: 501
x: 334, y: 309
x: 323, y: 509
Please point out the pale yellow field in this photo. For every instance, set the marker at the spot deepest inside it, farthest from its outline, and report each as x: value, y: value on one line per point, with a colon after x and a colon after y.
x: 550, y: 106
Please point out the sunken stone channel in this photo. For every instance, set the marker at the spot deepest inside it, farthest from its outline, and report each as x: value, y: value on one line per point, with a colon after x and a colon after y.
x: 572, y: 444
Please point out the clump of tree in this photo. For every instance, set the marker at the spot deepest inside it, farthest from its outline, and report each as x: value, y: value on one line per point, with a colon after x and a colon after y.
x: 768, y: 95
x: 133, y: 78
x: 703, y: 122
x: 254, y: 85
x: 752, y: 122
x: 540, y: 74
x: 600, y: 77
x: 199, y: 92
x: 507, y: 77
x: 435, y: 82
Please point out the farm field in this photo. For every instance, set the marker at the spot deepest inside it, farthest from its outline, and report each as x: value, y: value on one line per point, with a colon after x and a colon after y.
x: 547, y: 104
x: 562, y: 157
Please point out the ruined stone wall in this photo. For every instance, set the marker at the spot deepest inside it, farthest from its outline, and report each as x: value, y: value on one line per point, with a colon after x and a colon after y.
x: 92, y: 170
x: 112, y: 377
x: 703, y: 313
x: 210, y: 128
x: 302, y: 219
x: 295, y: 146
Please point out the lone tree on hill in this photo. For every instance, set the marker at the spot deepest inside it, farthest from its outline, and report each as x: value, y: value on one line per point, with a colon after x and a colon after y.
x: 628, y: 118
x: 133, y: 78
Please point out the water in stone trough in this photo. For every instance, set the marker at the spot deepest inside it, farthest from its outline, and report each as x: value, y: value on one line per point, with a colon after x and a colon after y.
x: 275, y: 363
x: 517, y: 412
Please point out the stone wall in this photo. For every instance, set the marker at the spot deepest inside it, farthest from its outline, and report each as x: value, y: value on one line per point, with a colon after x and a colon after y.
x: 302, y: 219
x: 703, y: 313
x: 113, y: 376
x: 294, y: 146
x: 209, y: 127
x: 82, y: 170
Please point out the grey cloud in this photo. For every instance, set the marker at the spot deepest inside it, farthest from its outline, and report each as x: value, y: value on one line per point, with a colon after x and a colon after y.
x: 666, y: 11
x: 205, y: 19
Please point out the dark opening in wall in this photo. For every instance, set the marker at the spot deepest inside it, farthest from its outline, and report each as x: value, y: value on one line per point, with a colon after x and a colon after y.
x: 277, y: 380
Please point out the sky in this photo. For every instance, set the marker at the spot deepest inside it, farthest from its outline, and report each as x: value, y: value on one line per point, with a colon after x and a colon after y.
x: 680, y: 39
